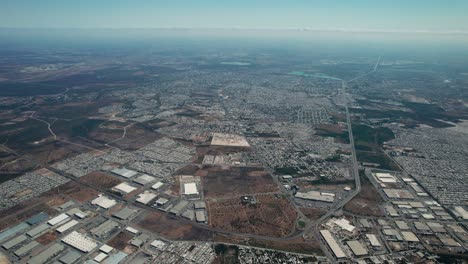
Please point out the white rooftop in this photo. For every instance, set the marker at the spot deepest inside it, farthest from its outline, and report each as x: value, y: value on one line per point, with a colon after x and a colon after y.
x: 144, y: 179
x: 125, y: 187
x: 80, y: 241
x: 145, y: 197
x: 345, y: 224
x: 67, y: 226
x: 59, y: 218
x: 190, y: 188
x: 158, y: 244
x: 106, y: 248
x: 104, y: 202
x: 100, y: 257
x: 131, y: 230
x: 157, y: 185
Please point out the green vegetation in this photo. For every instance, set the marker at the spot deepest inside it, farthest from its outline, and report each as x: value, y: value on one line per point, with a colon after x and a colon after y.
x: 380, y: 158
x: 286, y: 170
x: 370, y: 138
x: 227, y: 254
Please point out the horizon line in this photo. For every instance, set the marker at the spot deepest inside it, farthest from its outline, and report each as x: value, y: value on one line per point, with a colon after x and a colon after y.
x: 291, y: 29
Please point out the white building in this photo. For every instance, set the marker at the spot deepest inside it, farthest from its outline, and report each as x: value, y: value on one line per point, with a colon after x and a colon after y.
x: 80, y: 242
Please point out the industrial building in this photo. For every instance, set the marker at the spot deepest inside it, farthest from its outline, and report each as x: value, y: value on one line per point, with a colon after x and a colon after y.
x: 103, y: 202
x: 61, y: 218
x: 126, y: 173
x: 177, y: 209
x: 67, y: 226
x: 146, y: 197
x: 316, y: 196
x: 80, y: 242
x: 357, y: 248
x: 200, y: 216
x: 373, y: 240
x: 157, y: 185
x: 190, y: 188
x: 125, y: 213
x: 144, y: 179
x: 332, y: 244
x: 124, y: 188
x: 47, y: 254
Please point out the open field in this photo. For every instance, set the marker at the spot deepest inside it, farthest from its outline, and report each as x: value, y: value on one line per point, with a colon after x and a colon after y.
x: 120, y: 241
x: 100, y: 180
x: 312, y: 213
x: 136, y: 137
x: 78, y: 192
x: 234, y: 181
x: 367, y: 201
x: 171, y: 227
x: 270, y: 216
x: 47, y: 238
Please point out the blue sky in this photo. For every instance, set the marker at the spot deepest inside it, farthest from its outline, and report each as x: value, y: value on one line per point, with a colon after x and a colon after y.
x: 375, y: 15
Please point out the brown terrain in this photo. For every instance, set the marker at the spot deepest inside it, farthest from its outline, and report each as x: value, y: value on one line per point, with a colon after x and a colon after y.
x: 171, y: 227
x: 235, y: 181
x: 100, y: 180
x: 270, y: 216
x: 367, y: 201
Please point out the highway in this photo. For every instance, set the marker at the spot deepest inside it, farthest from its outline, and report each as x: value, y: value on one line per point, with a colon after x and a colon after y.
x: 354, y: 172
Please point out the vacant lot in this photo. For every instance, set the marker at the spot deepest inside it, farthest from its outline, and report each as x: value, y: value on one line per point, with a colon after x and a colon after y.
x: 120, y: 241
x: 367, y: 201
x: 235, y: 181
x: 47, y: 238
x: 100, y: 180
x: 136, y: 137
x: 270, y: 216
x: 172, y: 227
x: 77, y: 191
x: 313, y: 213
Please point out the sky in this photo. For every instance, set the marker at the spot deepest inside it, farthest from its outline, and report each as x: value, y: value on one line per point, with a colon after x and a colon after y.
x: 443, y: 16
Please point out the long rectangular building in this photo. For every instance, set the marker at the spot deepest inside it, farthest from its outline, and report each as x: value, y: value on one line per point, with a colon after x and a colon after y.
x: 336, y: 249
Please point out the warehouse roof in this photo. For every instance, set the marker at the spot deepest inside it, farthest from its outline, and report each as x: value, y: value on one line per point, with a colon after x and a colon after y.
x: 67, y: 226
x: 409, y: 236
x: 336, y: 249
x: 125, y: 187
x: 157, y: 185
x: 357, y: 248
x: 80, y: 241
x: 144, y: 179
x: 190, y: 188
x: 125, y: 172
x: 145, y: 197
x: 104, y: 202
x: 59, y: 218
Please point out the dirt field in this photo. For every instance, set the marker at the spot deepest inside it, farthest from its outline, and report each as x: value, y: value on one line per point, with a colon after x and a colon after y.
x: 47, y: 237
x: 271, y: 216
x: 234, y: 181
x: 100, y: 180
x: 120, y: 241
x: 367, y: 201
x: 78, y: 192
x: 136, y: 138
x: 172, y: 228
x: 313, y: 213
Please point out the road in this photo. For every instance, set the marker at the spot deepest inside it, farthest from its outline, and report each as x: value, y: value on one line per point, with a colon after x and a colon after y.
x: 354, y: 172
